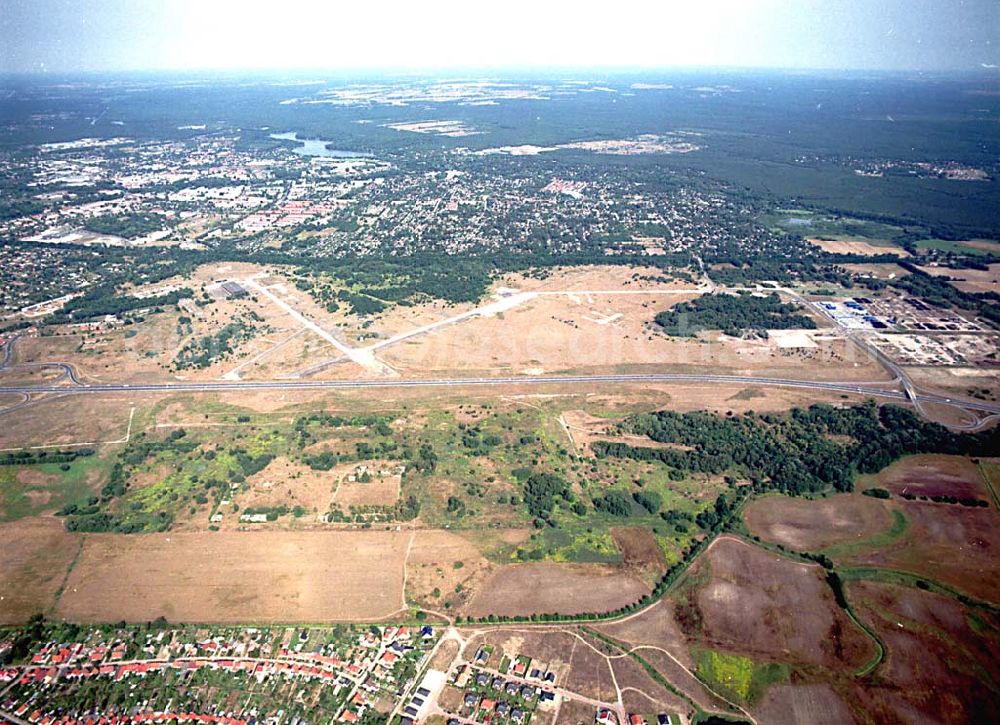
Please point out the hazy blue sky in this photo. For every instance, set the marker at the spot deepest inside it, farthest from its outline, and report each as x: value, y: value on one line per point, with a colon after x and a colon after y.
x: 66, y: 35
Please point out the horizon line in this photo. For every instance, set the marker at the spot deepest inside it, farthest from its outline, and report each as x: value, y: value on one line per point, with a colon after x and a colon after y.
x: 424, y: 71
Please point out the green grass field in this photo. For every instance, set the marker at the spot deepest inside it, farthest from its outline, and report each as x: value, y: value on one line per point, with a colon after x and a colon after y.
x: 32, y: 490
x: 738, y: 678
x: 944, y: 245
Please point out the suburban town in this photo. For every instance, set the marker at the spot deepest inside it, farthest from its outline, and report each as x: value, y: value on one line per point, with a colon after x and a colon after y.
x: 155, y: 674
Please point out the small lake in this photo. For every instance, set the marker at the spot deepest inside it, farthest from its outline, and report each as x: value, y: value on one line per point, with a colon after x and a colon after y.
x: 317, y: 147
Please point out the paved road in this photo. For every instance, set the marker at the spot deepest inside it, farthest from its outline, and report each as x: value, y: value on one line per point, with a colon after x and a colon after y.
x: 8, y: 351
x: 880, y: 389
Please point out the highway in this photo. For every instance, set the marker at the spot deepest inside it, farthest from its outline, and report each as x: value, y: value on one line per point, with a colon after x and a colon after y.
x: 876, y: 389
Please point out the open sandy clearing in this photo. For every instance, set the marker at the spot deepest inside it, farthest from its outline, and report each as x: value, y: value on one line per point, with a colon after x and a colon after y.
x: 613, y: 333
x: 237, y: 577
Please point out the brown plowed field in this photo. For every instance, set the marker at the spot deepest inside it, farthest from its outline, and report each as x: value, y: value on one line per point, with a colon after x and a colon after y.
x: 794, y: 704
x: 953, y: 544
x: 237, y: 577
x: 805, y: 525
x: 772, y: 608
x: 524, y: 589
x: 656, y: 627
x: 932, y: 475
x: 938, y: 669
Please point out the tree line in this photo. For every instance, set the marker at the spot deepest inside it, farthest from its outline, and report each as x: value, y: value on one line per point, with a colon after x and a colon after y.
x: 794, y: 452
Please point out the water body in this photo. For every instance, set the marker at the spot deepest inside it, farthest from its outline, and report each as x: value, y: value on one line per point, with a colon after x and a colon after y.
x: 317, y: 147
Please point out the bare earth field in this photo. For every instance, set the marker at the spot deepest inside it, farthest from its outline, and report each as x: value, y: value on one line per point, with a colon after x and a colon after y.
x: 524, y: 589
x: 433, y: 563
x: 952, y: 544
x: 970, y: 280
x: 858, y: 247
x: 744, y: 607
x: 590, y: 671
x: 640, y: 692
x: 938, y: 668
x: 34, y: 557
x: 655, y: 627
x: 237, y: 577
x: 575, y: 713
x: 805, y: 525
x: 641, y: 553
x: 932, y: 475
x: 62, y: 420
x: 793, y: 704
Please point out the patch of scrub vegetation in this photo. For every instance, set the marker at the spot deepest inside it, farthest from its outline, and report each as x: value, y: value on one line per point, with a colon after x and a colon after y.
x: 733, y: 314
x: 199, y: 470
x: 574, y: 542
x: 207, y: 350
x: 737, y: 677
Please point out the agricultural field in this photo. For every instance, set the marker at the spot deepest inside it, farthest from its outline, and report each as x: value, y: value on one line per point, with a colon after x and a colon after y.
x: 735, y: 584
x: 970, y: 280
x: 922, y: 631
x: 237, y: 577
x: 34, y: 559
x: 542, y: 588
x: 937, y: 506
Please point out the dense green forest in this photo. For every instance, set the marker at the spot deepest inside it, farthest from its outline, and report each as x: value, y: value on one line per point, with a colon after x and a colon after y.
x: 733, y: 314
x: 128, y: 226
x: 794, y: 452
